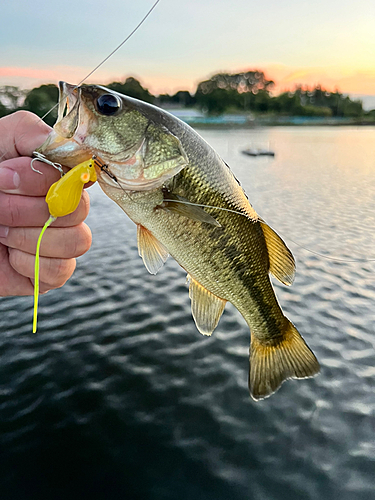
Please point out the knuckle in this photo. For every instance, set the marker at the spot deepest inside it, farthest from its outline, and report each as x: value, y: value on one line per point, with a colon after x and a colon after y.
x: 53, y: 272
x: 83, y: 208
x: 78, y: 241
x: 83, y: 240
x: 58, y: 271
x: 79, y: 215
x: 44, y: 288
x: 18, y: 238
x: 86, y: 203
x: 19, y: 261
x: 8, y: 210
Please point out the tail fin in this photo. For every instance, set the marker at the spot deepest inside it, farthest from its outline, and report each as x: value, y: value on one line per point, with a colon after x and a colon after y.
x: 272, y: 363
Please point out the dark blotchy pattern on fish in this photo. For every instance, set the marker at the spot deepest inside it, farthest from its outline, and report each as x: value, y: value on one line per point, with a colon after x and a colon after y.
x: 244, y: 254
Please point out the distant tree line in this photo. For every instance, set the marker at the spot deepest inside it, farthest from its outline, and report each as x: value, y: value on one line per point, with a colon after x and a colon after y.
x: 251, y: 92
x: 39, y: 100
x: 247, y: 92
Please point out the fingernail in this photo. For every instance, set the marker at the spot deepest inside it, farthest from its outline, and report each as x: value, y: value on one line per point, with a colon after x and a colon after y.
x: 9, y: 179
x: 4, y: 230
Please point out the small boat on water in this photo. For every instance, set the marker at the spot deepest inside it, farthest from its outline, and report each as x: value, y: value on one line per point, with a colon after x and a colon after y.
x: 258, y: 152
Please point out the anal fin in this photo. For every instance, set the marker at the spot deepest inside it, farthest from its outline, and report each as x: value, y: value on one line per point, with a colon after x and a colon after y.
x: 282, y: 264
x: 206, y: 307
x: 151, y: 250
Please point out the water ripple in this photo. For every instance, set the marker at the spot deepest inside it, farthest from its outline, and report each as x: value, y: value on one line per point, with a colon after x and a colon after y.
x: 119, y: 396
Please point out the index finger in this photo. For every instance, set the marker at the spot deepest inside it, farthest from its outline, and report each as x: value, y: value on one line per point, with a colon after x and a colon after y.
x: 17, y: 177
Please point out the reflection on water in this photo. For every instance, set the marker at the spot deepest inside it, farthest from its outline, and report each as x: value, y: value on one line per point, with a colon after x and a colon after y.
x: 119, y: 396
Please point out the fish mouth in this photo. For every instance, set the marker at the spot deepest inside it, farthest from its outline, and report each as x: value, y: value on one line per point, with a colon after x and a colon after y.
x: 68, y: 110
x: 65, y: 143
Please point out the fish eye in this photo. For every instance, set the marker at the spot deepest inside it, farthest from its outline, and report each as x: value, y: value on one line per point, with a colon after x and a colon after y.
x: 108, y: 104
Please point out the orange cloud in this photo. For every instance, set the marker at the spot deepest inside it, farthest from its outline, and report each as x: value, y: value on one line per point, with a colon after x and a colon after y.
x: 30, y: 77
x: 286, y: 78
x: 343, y: 79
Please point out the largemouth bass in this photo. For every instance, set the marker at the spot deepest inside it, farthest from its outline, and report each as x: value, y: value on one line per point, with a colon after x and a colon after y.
x: 187, y: 203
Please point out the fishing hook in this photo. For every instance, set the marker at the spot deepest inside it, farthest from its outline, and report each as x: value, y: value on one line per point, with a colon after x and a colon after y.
x: 42, y: 158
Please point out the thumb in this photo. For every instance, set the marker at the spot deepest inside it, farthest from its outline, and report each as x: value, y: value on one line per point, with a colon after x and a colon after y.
x: 20, y: 134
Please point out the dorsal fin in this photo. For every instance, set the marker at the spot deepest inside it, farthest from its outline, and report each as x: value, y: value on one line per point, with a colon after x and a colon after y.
x: 206, y: 307
x: 151, y: 250
x: 282, y: 264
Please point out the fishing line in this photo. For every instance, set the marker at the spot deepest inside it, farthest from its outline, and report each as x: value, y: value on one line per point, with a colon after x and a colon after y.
x: 121, y: 44
x: 110, y: 55
x: 97, y: 67
x: 328, y: 257
x: 337, y: 259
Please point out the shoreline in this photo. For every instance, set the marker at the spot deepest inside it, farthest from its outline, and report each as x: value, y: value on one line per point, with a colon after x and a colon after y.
x: 261, y: 124
x: 196, y: 119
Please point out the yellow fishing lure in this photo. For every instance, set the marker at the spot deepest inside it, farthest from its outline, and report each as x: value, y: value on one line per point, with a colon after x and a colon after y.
x: 62, y: 198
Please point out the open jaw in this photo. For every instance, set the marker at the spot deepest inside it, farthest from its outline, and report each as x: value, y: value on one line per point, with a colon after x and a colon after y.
x: 68, y: 110
x: 65, y: 142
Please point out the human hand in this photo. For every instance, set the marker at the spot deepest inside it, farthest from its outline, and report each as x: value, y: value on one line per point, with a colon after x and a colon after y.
x: 23, y: 213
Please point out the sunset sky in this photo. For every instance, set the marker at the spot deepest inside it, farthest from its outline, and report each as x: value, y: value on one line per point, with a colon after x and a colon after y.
x: 331, y: 42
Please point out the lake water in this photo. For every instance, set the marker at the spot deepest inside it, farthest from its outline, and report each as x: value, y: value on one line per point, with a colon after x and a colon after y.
x: 119, y: 397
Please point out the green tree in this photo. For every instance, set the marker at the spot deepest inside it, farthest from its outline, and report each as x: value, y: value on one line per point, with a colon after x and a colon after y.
x: 3, y: 110
x: 315, y: 102
x: 181, y: 98
x: 40, y: 101
x: 239, y: 91
x: 132, y: 88
x: 287, y: 103
x: 217, y: 101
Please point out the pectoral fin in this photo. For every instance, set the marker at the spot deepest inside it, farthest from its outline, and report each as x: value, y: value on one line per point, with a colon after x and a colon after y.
x: 151, y: 250
x: 206, y: 307
x: 282, y: 264
x: 181, y: 206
